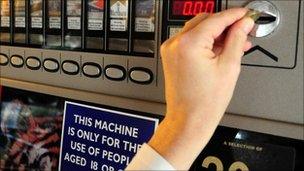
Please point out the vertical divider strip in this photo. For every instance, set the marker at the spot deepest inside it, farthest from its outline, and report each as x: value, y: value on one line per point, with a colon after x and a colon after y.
x: 43, y: 22
x: 63, y: 13
x: 157, y: 37
x: 105, y: 25
x: 130, y: 23
x: 83, y: 15
x: 27, y: 15
x: 11, y: 21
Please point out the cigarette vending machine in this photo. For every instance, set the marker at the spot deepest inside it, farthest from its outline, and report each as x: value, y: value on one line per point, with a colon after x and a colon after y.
x: 82, y: 85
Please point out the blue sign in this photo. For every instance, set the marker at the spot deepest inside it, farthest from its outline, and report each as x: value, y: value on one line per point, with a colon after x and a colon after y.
x: 101, y: 139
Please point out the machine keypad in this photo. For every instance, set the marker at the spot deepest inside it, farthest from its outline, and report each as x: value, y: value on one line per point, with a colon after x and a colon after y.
x: 138, y: 75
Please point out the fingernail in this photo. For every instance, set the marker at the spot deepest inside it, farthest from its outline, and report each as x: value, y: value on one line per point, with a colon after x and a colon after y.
x: 253, y: 14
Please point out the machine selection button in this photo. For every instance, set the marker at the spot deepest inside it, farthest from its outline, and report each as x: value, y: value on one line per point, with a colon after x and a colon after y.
x: 115, y: 72
x: 51, y: 65
x: 70, y: 67
x: 91, y: 69
x: 3, y: 59
x: 33, y: 63
x: 141, y: 75
x: 17, y: 61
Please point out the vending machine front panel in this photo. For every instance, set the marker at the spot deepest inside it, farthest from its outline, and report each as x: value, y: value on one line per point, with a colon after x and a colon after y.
x: 107, y: 52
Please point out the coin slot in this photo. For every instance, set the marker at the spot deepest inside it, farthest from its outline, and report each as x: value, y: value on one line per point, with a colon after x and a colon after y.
x: 269, y: 20
x: 266, y: 18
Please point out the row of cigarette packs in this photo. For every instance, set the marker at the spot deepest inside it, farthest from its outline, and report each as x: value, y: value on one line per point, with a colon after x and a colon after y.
x: 108, y: 26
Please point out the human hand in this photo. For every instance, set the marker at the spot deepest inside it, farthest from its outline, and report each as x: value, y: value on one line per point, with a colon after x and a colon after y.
x: 201, y: 67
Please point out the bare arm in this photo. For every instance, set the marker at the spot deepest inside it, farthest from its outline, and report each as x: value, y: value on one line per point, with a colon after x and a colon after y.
x: 201, y: 66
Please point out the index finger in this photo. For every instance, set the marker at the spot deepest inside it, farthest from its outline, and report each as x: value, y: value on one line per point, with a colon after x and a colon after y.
x: 194, y: 21
x: 215, y: 25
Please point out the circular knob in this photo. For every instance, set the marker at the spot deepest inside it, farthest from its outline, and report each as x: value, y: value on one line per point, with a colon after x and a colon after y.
x: 269, y: 19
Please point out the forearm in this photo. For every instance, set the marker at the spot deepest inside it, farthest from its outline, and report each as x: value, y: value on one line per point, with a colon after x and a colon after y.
x: 181, y: 141
x: 201, y: 67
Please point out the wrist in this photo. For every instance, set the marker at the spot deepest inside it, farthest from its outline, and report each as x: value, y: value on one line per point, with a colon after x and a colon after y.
x: 180, y: 141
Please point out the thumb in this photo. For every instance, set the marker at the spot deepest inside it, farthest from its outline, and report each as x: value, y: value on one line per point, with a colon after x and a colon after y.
x: 236, y: 41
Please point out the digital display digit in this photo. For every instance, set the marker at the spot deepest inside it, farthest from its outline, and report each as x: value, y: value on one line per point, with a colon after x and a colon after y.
x: 188, y: 8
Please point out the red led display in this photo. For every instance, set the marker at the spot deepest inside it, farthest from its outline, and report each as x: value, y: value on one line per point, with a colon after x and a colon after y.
x: 192, y: 7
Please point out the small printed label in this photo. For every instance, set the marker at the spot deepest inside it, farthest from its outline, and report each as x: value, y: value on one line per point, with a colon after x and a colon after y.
x: 74, y: 23
x: 20, y: 22
x: 5, y: 21
x: 144, y: 25
x: 95, y: 24
x: 174, y: 30
x: 36, y: 22
x: 118, y: 25
x: 55, y: 23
